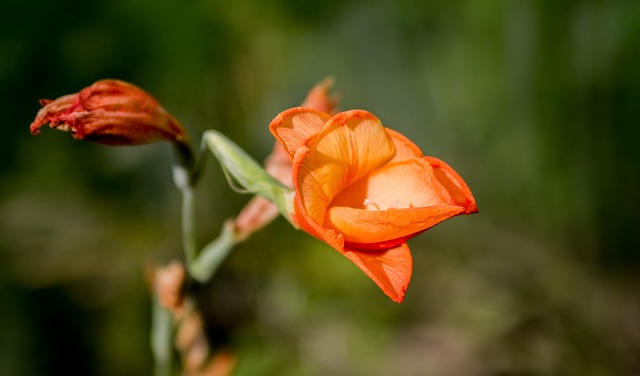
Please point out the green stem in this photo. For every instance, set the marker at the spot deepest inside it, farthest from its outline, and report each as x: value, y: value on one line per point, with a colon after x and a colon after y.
x: 214, y: 253
x: 201, y: 265
x: 161, y: 338
x: 189, y: 239
x: 186, y: 171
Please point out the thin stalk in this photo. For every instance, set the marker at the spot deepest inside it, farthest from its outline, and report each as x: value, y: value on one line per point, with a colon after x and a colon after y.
x: 161, y: 339
x: 189, y: 239
x: 186, y: 173
x: 214, y: 253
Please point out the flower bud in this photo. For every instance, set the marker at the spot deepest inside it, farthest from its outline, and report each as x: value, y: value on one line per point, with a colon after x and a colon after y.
x: 260, y: 211
x: 319, y: 97
x: 110, y: 112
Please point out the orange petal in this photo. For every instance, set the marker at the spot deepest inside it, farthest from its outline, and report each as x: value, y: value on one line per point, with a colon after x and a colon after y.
x: 407, y: 184
x: 309, y: 187
x: 363, y: 211
x: 309, y: 217
x: 293, y: 127
x: 278, y: 165
x: 319, y: 99
x: 310, y: 226
x: 365, y: 228
x: 453, y: 183
x: 350, y: 145
x: 390, y: 269
x: 405, y: 148
x: 256, y: 214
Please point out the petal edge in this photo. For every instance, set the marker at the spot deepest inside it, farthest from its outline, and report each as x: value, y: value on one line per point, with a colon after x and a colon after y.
x: 390, y: 269
x: 293, y: 127
x: 454, y: 184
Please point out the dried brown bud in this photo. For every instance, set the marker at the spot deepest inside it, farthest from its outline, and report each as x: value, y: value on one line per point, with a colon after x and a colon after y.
x: 168, y: 282
x: 110, y: 112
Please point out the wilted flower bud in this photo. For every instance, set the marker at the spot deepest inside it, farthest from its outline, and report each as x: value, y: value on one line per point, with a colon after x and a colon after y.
x: 110, y: 112
x: 168, y: 282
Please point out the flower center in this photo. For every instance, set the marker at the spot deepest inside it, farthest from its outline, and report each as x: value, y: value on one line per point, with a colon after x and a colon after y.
x: 401, y: 185
x: 370, y: 205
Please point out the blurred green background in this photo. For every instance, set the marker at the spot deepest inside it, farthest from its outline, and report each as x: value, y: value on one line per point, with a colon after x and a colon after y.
x: 535, y: 103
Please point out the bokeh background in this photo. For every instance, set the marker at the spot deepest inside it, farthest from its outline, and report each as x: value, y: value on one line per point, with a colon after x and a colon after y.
x: 535, y: 103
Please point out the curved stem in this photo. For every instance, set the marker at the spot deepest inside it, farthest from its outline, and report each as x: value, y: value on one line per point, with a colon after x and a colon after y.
x: 186, y: 171
x: 214, y: 253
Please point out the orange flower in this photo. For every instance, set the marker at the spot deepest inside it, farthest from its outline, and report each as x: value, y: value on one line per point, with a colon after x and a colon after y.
x: 110, y: 112
x: 365, y: 189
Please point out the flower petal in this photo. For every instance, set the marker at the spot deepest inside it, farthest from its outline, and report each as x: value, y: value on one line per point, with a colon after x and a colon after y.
x: 392, y: 203
x: 318, y: 97
x: 453, y: 183
x: 52, y: 113
x: 293, y: 127
x: 350, y: 145
x: 310, y: 195
x: 307, y: 224
x: 407, y: 184
x: 309, y: 217
x: 390, y: 269
x: 405, y: 148
x: 366, y: 229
